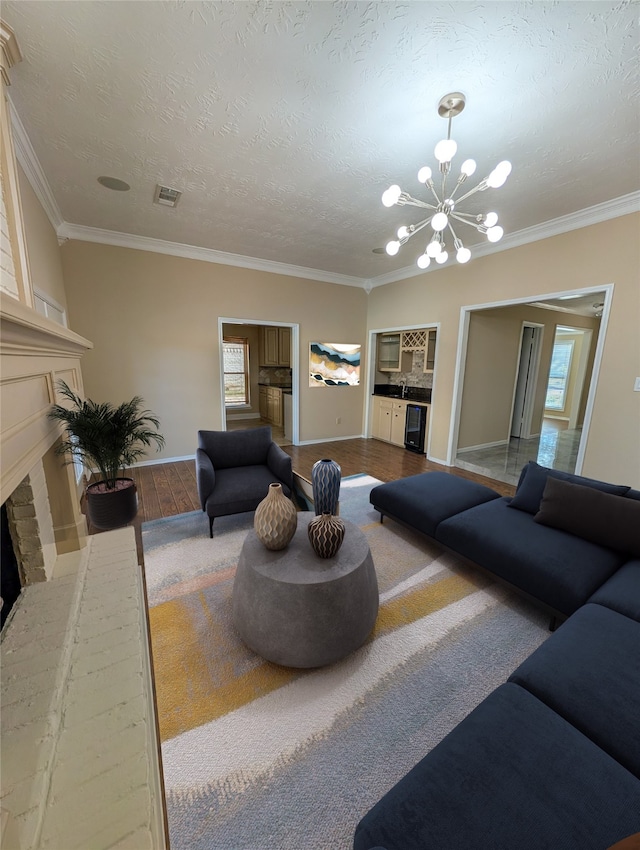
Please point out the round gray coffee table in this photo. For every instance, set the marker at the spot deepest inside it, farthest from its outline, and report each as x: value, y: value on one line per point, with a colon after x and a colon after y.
x: 299, y: 610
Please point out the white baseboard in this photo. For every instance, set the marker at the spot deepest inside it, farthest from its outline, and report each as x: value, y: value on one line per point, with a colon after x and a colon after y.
x: 482, y: 446
x: 157, y: 461
x: 331, y: 440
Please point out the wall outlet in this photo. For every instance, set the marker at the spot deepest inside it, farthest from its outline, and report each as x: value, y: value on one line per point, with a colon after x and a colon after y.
x: 339, y: 418
x: 636, y: 386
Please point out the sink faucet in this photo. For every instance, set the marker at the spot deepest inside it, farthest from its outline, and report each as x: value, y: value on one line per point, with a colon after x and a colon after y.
x: 403, y: 384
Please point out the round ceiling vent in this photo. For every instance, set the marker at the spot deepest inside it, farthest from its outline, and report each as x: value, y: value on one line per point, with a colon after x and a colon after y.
x: 114, y: 183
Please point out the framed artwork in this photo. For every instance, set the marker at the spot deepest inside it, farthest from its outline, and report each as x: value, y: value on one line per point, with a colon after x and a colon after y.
x: 334, y: 364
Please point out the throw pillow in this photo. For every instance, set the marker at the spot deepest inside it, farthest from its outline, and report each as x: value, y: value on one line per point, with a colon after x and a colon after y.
x: 534, y: 478
x: 603, y: 518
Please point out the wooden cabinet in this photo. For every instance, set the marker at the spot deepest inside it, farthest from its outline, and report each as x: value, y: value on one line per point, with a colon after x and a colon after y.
x: 275, y: 346
x: 398, y: 419
x: 381, y: 418
x: 270, y: 403
x: 263, y: 404
x: 388, y: 420
x: 284, y: 346
x: 430, y: 351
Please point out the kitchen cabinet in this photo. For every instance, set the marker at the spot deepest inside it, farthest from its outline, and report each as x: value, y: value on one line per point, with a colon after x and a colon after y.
x: 274, y: 406
x: 398, y: 419
x: 430, y: 351
x: 284, y: 346
x: 263, y: 404
x: 275, y: 346
x: 388, y: 420
x: 391, y: 355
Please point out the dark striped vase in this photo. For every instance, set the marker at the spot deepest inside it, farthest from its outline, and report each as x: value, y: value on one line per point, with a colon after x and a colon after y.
x: 326, y: 534
x: 325, y: 480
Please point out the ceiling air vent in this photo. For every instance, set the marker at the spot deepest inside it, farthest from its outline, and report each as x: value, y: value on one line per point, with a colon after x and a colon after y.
x: 166, y: 196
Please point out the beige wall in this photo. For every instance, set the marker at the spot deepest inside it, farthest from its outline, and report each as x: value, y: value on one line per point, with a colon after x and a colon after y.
x: 42, y: 245
x: 153, y: 320
x: 570, y: 261
x: 490, y: 369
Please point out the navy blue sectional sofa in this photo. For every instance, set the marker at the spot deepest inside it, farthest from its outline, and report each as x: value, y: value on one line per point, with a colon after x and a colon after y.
x: 551, y: 759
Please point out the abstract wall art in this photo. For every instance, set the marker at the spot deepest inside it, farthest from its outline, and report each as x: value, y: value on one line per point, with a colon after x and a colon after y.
x: 334, y: 364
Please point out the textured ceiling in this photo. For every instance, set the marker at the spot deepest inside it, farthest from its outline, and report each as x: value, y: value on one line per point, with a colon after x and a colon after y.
x: 283, y: 122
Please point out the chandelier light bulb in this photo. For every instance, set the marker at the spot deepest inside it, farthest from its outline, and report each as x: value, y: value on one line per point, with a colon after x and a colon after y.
x: 424, y: 174
x: 463, y: 255
x: 391, y: 195
x: 433, y: 248
x: 499, y: 174
x: 439, y: 221
x: 403, y: 231
x: 424, y: 261
x: 445, y: 150
x: 392, y: 248
x: 468, y: 167
x: 442, y: 257
x: 490, y: 219
x: 494, y: 234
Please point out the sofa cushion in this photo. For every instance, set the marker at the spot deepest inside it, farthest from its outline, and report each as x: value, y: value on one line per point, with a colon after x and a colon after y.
x: 554, y: 567
x: 513, y: 774
x: 595, y: 654
x: 612, y: 521
x: 423, y: 501
x: 621, y: 592
x: 533, y: 480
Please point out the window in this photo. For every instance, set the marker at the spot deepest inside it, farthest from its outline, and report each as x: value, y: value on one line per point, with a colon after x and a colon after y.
x: 559, y: 375
x: 235, y: 351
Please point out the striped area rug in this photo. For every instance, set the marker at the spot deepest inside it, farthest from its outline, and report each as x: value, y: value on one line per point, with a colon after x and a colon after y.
x: 261, y: 757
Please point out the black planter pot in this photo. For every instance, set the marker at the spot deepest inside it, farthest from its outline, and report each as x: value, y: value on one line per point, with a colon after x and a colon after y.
x: 112, y: 508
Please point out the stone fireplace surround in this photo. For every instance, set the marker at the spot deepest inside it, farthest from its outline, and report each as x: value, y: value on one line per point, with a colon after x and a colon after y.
x: 80, y: 754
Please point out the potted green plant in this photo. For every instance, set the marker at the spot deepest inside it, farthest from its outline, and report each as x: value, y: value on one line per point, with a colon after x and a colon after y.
x: 108, y: 439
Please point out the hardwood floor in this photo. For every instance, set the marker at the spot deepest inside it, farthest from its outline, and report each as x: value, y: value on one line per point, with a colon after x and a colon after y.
x: 167, y: 489
x: 170, y: 488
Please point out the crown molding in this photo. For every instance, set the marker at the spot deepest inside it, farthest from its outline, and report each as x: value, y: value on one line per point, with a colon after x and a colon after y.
x: 30, y: 163
x: 192, y: 252
x: 605, y: 211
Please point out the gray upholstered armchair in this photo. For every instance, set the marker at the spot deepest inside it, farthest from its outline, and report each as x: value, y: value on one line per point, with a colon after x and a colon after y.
x: 234, y: 470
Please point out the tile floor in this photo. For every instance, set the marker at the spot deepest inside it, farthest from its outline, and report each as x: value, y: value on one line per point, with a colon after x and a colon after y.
x: 556, y: 447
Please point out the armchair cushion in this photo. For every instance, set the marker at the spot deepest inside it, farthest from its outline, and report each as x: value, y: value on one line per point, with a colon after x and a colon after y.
x: 229, y: 449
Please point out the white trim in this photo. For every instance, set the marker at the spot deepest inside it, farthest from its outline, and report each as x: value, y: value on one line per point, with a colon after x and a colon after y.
x: 331, y: 440
x: 193, y: 252
x: 160, y: 460
x: 481, y: 446
x: 30, y: 163
x: 615, y: 208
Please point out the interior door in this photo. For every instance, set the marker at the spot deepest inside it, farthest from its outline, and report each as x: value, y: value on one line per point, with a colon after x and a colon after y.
x: 525, y: 382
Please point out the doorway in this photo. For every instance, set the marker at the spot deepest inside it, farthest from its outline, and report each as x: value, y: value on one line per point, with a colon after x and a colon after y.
x: 555, y: 445
x: 282, y: 380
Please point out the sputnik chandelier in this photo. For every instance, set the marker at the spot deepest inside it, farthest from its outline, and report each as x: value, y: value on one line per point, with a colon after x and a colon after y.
x: 446, y: 208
